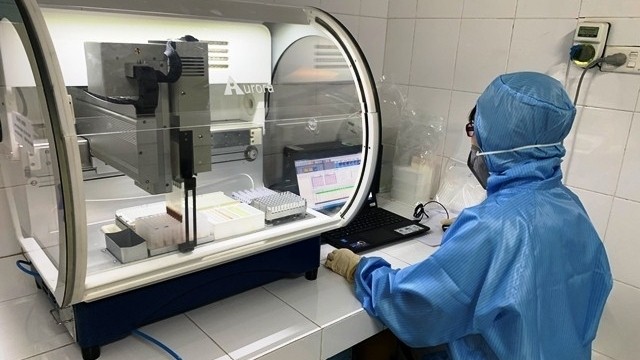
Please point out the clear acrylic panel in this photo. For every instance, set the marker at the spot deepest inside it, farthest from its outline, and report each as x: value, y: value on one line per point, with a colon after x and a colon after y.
x: 202, y: 135
x: 28, y: 163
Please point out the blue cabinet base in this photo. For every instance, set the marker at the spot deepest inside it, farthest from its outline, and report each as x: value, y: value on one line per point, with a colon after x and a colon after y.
x: 107, y: 320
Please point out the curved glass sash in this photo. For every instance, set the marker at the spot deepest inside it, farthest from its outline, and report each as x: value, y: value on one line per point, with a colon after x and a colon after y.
x: 36, y: 160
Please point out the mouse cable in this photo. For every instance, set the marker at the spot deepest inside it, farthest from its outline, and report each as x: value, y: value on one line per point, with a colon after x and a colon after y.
x: 419, y: 210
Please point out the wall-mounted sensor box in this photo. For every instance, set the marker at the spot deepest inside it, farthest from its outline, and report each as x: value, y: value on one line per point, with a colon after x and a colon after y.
x: 589, y: 42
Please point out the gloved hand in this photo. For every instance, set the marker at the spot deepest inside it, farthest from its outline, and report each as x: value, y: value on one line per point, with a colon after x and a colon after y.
x: 343, y: 262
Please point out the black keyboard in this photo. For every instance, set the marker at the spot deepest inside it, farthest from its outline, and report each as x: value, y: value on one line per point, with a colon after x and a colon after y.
x: 370, y: 219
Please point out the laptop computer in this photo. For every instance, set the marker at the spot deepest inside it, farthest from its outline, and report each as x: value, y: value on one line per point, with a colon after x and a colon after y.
x: 326, y: 177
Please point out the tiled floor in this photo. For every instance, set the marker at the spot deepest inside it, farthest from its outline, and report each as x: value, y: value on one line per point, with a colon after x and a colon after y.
x: 25, y: 323
x: 282, y: 320
x: 28, y: 331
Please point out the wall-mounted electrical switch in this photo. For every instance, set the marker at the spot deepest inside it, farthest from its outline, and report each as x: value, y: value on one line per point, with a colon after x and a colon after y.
x: 631, y: 66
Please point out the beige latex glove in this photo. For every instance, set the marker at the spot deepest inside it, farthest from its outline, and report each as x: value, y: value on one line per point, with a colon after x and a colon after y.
x: 343, y: 262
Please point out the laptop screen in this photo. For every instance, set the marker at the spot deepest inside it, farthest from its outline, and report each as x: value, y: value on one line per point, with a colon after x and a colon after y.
x: 329, y: 181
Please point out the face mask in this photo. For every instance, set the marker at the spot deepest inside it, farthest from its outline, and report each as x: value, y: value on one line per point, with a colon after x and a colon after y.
x: 477, y: 166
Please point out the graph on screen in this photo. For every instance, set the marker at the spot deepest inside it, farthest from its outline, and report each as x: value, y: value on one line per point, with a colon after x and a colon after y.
x: 327, y: 182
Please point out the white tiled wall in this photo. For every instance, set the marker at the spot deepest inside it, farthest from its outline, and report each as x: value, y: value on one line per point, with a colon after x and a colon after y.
x: 598, y: 206
x: 605, y: 90
x: 546, y: 9
x: 375, y: 8
x: 489, y: 9
x: 628, y: 184
x: 406, y: 8
x: 618, y: 332
x: 437, y: 8
x: 621, y: 246
x: 483, y: 49
x: 373, y: 43
x: 534, y: 49
x: 351, y: 7
x: 399, y: 49
x: 429, y: 100
x: 456, y: 145
x: 601, y: 145
x: 611, y: 8
x: 450, y: 50
x: 434, y: 46
x: 315, y: 3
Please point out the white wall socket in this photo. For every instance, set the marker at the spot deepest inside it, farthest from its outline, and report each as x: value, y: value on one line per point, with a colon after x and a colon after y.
x: 632, y: 66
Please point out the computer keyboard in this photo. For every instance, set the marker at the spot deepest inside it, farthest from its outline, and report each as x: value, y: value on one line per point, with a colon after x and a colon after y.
x: 370, y: 219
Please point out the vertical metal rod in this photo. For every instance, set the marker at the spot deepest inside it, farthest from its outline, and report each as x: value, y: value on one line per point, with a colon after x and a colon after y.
x: 195, y: 218
x: 186, y: 214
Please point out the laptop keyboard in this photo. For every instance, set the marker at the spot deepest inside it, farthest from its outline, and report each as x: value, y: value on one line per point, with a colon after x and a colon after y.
x: 374, y: 218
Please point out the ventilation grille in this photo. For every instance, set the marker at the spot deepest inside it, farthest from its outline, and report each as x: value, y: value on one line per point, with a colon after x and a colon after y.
x: 193, y: 66
x: 218, y: 54
x: 328, y: 57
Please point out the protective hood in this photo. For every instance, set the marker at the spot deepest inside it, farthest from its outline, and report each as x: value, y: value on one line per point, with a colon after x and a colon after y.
x: 523, y: 109
x: 522, y: 275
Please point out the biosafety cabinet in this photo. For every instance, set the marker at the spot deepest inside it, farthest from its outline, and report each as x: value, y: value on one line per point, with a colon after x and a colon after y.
x: 147, y: 150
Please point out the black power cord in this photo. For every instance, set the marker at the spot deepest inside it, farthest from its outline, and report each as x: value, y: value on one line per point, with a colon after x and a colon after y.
x: 614, y: 60
x: 419, y: 212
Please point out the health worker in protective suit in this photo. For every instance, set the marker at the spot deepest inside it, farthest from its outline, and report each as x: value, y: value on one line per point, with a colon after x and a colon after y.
x: 523, y: 275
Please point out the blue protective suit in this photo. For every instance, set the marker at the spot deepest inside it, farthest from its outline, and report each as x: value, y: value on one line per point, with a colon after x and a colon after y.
x: 524, y: 274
